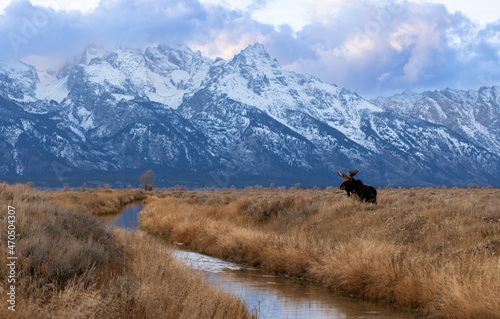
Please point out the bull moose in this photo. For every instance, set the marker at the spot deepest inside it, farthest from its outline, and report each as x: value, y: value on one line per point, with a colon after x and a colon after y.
x: 363, y: 192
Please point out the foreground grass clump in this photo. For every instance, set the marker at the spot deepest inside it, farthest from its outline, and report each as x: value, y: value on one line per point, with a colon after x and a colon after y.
x: 70, y: 266
x: 436, y: 251
x: 160, y: 286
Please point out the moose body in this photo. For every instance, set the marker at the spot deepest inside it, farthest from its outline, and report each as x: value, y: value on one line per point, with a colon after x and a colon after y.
x: 363, y: 192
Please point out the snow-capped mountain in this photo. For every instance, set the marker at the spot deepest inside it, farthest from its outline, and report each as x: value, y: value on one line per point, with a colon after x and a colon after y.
x: 474, y: 114
x: 18, y: 81
x: 199, y: 121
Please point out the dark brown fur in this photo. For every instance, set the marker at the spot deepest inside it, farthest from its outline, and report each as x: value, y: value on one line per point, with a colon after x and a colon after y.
x: 363, y: 192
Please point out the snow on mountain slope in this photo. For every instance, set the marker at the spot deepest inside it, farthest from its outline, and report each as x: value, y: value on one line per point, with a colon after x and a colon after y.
x: 50, y: 87
x: 18, y: 81
x: 175, y: 72
x: 160, y: 74
x: 253, y: 78
x: 245, y: 119
x: 473, y: 114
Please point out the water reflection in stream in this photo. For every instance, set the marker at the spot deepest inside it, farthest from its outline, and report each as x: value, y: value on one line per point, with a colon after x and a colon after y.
x: 270, y: 296
x: 128, y: 219
x: 278, y: 297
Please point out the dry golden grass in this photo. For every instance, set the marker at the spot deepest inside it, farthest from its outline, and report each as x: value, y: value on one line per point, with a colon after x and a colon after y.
x: 70, y: 266
x: 163, y: 287
x: 98, y: 202
x: 435, y: 251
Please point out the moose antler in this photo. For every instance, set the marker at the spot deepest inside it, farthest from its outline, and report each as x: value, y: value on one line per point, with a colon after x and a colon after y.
x: 352, y: 173
x: 344, y: 176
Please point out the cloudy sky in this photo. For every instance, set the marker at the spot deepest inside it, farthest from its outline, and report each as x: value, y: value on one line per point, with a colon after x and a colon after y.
x: 372, y: 47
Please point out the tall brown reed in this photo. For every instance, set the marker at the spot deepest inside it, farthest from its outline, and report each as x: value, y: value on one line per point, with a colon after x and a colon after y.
x: 70, y: 266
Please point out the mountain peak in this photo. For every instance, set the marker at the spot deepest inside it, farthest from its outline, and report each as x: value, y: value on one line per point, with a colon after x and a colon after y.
x: 174, y: 47
x: 255, y: 56
x: 257, y: 46
x: 90, y: 53
x: 409, y: 92
x: 256, y: 50
x: 17, y: 80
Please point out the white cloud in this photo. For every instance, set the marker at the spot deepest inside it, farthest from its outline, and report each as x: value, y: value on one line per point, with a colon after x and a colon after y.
x: 295, y: 13
x: 4, y: 4
x: 480, y: 11
x: 68, y: 5
x: 229, y: 4
x: 59, y: 5
x: 369, y: 46
x: 226, y: 44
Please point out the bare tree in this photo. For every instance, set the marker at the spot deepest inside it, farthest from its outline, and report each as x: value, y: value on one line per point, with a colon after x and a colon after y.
x: 147, y: 180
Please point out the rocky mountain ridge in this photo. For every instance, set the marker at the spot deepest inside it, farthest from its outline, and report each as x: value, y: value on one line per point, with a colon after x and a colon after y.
x: 203, y: 122
x: 474, y: 114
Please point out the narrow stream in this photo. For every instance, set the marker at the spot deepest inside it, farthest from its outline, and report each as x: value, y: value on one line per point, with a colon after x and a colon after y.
x: 268, y: 295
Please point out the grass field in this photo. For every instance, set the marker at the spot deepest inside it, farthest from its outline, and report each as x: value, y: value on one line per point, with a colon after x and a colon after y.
x: 70, y: 266
x: 434, y: 251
